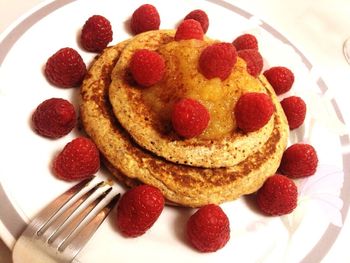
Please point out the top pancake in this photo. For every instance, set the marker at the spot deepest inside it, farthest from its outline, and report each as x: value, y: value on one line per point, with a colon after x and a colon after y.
x: 181, y: 184
x: 148, y: 122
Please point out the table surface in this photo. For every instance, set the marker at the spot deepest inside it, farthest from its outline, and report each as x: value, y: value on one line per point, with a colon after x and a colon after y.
x: 318, y: 28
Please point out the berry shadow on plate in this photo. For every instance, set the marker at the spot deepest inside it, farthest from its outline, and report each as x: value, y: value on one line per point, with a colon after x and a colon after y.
x: 250, y: 201
x: 180, y: 223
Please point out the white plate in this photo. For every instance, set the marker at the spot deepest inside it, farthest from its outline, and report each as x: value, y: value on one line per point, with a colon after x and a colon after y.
x: 27, y: 183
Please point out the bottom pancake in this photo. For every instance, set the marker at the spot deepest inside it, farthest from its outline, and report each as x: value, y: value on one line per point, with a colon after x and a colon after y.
x: 181, y: 184
x: 122, y: 178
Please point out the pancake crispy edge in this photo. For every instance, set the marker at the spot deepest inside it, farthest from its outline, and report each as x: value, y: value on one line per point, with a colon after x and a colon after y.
x: 181, y: 184
x: 91, y: 94
x: 137, y: 119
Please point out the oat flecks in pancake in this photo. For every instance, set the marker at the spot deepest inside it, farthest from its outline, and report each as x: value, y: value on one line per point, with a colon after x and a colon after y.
x: 181, y: 184
x: 149, y: 127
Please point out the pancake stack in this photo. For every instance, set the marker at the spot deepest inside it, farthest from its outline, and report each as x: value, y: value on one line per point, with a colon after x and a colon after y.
x: 131, y: 125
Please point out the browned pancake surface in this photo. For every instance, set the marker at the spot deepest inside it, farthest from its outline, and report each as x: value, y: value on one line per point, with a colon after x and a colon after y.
x: 181, y: 184
x: 145, y: 112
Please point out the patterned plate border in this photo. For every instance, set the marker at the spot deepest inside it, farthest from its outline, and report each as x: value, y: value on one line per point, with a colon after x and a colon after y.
x: 15, y: 224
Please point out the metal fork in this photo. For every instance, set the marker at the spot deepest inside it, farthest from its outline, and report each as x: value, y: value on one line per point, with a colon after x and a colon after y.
x: 63, y: 228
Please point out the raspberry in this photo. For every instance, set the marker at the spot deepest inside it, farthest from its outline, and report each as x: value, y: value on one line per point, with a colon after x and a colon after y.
x: 138, y: 210
x: 280, y: 78
x: 78, y: 160
x: 217, y: 60
x: 54, y: 118
x: 295, y: 109
x: 189, y: 118
x: 147, y: 67
x: 299, y: 160
x: 278, y: 196
x: 208, y: 229
x: 96, y: 33
x: 145, y: 18
x: 189, y: 29
x: 65, y: 68
x: 201, y: 17
x: 245, y: 41
x: 253, y: 60
x: 253, y: 110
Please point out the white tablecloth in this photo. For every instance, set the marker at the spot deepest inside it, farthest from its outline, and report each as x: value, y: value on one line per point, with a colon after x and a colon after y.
x: 318, y: 28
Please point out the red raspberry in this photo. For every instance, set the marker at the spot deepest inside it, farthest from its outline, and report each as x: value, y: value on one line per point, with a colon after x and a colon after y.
x: 147, y: 67
x: 253, y: 110
x: 145, y: 18
x: 280, y: 78
x: 245, y: 41
x: 65, y: 68
x: 253, y: 60
x: 295, y: 109
x: 201, y: 17
x: 278, y: 196
x: 217, y: 60
x: 54, y: 118
x: 138, y: 210
x: 96, y: 33
x: 189, y: 118
x: 208, y: 229
x: 299, y: 160
x: 78, y: 160
x: 189, y: 29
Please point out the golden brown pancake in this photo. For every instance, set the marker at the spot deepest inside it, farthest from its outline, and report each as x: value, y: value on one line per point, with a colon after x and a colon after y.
x: 181, y: 184
x: 93, y: 98
x: 146, y: 112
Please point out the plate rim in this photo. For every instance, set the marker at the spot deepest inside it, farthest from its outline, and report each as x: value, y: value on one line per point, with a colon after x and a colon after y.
x: 21, y: 25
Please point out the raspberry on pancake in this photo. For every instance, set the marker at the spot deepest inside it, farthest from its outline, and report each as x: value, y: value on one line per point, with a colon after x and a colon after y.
x: 217, y: 60
x: 253, y: 110
x: 253, y: 60
x: 280, y: 78
x: 245, y: 41
x: 147, y: 67
x: 189, y: 118
x: 200, y: 16
x: 189, y: 29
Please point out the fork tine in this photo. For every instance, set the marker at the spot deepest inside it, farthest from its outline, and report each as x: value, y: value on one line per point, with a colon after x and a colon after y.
x: 51, y: 210
x: 56, y: 221
x: 67, y: 230
x: 82, y: 236
x: 56, y: 235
